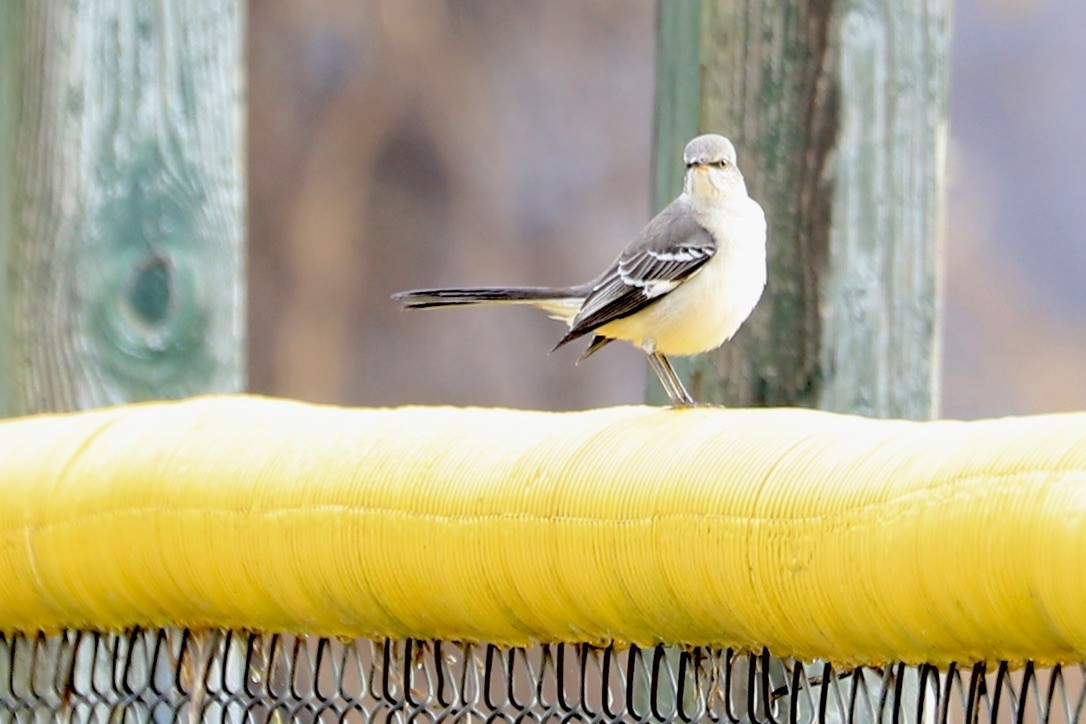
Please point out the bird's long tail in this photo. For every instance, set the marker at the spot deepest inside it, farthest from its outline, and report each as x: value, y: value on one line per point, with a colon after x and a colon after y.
x: 561, y: 303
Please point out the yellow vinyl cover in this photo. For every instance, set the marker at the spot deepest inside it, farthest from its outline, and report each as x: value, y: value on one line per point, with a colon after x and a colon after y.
x: 815, y: 534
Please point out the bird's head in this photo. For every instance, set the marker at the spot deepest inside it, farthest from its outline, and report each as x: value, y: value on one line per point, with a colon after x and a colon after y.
x: 711, y: 173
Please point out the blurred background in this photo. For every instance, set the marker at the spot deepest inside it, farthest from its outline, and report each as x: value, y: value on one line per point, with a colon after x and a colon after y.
x: 406, y: 143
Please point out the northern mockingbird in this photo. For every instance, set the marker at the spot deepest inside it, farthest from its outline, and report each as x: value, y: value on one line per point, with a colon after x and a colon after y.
x: 683, y: 286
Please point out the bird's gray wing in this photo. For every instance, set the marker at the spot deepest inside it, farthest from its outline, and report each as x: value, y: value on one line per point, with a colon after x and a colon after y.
x: 672, y: 248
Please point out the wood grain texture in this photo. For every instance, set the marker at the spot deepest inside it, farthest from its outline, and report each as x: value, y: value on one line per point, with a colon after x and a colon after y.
x: 838, y: 111
x: 123, y: 201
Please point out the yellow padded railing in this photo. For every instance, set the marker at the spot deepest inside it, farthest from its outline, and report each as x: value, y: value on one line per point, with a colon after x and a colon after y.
x: 817, y: 535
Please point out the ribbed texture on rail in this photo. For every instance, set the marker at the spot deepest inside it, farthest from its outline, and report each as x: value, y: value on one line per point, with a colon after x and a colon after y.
x: 811, y: 533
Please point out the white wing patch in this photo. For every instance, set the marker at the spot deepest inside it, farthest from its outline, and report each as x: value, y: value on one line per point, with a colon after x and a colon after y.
x: 681, y: 255
x: 657, y: 271
x: 655, y: 287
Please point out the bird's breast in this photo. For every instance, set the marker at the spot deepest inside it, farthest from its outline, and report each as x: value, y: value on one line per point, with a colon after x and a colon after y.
x: 707, y: 311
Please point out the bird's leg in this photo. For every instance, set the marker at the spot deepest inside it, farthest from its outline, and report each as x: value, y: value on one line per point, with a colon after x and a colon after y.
x: 673, y: 386
x: 665, y: 374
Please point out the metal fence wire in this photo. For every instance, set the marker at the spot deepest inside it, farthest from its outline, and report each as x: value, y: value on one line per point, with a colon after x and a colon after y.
x: 176, y: 675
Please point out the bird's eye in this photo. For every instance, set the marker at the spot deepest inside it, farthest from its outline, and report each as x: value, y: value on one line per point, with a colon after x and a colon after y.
x: 714, y: 164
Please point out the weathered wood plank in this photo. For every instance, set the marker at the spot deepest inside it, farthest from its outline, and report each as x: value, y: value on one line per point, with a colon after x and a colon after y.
x: 838, y: 110
x: 121, y: 205
x: 121, y: 210
x: 678, y: 94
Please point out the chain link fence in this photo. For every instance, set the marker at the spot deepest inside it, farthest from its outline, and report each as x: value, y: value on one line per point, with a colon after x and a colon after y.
x: 176, y: 675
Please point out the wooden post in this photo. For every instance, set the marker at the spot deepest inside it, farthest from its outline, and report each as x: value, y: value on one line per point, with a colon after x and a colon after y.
x: 838, y: 111
x: 121, y: 210
x: 121, y: 201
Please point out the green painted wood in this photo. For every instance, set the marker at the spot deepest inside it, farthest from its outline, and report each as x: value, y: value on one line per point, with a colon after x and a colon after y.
x: 121, y: 204
x: 838, y: 111
x: 678, y: 95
